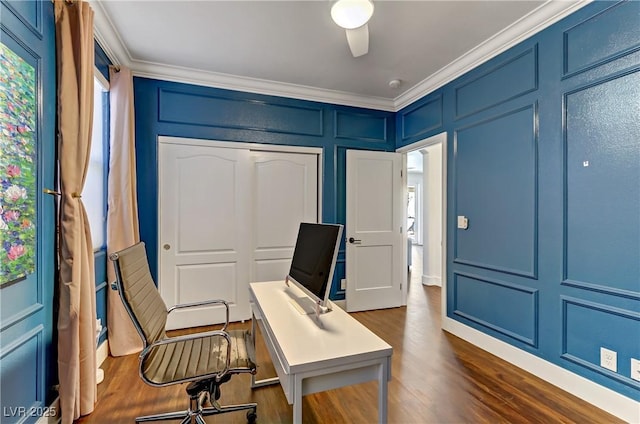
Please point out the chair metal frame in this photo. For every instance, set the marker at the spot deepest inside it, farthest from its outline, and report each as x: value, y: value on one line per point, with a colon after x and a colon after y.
x: 202, y: 388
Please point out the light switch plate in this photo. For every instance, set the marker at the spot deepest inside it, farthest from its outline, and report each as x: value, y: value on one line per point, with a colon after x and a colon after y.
x: 463, y: 222
x: 635, y: 369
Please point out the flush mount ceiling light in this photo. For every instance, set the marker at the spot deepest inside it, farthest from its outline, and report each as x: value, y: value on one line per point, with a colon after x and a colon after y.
x: 353, y: 15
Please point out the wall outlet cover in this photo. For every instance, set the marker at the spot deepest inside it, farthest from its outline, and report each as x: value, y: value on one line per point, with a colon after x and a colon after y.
x: 609, y: 359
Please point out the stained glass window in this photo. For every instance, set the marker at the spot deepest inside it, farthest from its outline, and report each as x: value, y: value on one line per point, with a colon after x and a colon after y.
x: 17, y: 167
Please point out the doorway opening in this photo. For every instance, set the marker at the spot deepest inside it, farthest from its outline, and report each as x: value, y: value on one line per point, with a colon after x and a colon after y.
x: 425, y: 191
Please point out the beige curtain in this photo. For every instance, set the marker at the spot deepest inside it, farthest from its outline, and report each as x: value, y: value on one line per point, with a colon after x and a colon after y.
x: 77, y: 314
x: 122, y: 218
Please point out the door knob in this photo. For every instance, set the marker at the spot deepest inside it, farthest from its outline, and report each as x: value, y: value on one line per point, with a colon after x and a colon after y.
x: 354, y: 241
x: 167, y: 246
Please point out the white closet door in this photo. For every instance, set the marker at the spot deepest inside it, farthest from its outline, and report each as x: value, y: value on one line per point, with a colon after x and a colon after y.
x: 204, y: 233
x: 284, y: 193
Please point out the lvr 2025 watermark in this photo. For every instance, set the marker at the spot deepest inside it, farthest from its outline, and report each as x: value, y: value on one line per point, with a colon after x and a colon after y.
x: 33, y: 411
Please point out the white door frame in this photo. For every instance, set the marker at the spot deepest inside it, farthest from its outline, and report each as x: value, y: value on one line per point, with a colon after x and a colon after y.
x: 431, y: 141
x: 240, y: 145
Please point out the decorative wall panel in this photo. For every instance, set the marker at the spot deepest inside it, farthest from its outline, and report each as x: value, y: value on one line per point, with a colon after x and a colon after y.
x: 29, y: 13
x: 604, y: 37
x: 500, y: 306
x: 495, y: 171
x: 502, y: 82
x: 359, y: 126
x: 581, y: 343
x: 419, y: 119
x: 20, y: 375
x: 602, y: 189
x: 201, y: 109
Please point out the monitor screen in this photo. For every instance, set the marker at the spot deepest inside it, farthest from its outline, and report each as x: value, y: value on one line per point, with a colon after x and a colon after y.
x: 314, y: 259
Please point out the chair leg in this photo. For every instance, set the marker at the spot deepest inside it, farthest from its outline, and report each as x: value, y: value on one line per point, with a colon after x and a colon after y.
x: 229, y: 408
x: 163, y: 417
x: 193, y: 419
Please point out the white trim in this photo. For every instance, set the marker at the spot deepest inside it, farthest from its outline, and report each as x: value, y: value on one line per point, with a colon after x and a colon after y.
x: 107, y: 37
x: 163, y: 139
x: 545, y: 15
x: 102, y: 352
x: 542, y: 17
x: 430, y: 280
x: 435, y: 139
x: 101, y: 79
x: 255, y: 85
x: 606, y: 399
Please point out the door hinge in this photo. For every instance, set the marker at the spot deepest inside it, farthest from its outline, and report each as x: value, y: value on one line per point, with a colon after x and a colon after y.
x: 401, y: 229
x: 401, y: 175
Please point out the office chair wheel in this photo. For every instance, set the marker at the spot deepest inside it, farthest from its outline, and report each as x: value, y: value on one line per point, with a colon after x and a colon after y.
x: 252, y: 417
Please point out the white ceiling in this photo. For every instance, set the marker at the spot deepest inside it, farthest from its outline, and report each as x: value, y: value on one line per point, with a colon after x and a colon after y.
x: 293, y: 48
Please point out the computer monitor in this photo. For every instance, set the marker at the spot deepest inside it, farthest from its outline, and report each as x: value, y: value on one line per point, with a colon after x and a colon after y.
x: 314, y: 260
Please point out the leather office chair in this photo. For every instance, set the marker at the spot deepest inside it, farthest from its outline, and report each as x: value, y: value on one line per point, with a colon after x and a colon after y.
x: 205, y: 360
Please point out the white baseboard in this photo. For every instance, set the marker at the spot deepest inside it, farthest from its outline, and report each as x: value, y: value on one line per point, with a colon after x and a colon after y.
x: 606, y: 399
x: 102, y: 353
x: 430, y: 280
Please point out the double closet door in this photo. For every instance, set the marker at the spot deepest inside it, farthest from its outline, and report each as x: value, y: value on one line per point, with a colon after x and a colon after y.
x: 228, y: 216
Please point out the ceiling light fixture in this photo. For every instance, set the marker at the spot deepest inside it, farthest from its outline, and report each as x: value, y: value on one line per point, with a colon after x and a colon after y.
x: 351, y: 14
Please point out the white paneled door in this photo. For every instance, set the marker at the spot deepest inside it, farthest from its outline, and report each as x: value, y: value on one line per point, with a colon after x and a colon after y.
x: 204, y: 209
x: 374, y: 230
x: 228, y: 216
x: 285, y: 193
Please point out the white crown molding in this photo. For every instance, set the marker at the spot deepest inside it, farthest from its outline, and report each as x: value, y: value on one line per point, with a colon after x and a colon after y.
x: 107, y: 36
x: 542, y: 17
x: 537, y: 20
x: 602, y: 397
x: 255, y: 85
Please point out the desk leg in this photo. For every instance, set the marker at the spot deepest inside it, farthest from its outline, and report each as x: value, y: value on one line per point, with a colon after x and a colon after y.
x: 383, y: 375
x: 297, y: 400
x: 265, y: 381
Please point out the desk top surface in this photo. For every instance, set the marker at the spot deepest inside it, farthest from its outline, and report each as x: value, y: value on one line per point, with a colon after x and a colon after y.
x: 306, y: 342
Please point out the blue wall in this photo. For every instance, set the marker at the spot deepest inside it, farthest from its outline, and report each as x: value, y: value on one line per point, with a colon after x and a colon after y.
x: 544, y: 160
x: 182, y: 110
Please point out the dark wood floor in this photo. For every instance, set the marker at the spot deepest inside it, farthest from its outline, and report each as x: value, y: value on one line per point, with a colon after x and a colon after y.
x: 437, y: 378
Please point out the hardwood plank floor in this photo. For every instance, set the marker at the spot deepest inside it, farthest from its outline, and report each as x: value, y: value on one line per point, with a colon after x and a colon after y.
x: 437, y: 378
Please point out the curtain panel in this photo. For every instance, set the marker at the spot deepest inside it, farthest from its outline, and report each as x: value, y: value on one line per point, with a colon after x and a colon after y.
x: 77, y: 308
x: 122, y: 217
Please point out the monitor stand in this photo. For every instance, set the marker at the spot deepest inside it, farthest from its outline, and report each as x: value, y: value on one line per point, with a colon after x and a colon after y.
x: 306, y: 306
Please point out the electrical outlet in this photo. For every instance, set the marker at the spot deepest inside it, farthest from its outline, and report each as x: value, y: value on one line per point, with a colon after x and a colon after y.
x: 609, y: 359
x: 343, y: 284
x: 635, y: 369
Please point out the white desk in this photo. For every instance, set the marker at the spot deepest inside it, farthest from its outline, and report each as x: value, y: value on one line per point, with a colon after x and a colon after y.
x: 312, y: 357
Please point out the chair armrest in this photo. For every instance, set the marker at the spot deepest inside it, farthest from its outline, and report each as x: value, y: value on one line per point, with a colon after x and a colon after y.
x: 203, y: 303
x: 194, y: 336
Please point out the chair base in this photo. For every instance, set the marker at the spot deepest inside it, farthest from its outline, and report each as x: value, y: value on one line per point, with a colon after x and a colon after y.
x: 198, y: 395
x: 193, y: 417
